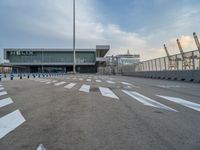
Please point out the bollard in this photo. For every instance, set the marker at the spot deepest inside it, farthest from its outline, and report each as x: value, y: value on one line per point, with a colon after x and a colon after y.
x: 39, y: 75
x: 11, y: 77
x: 4, y: 75
x: 28, y: 76
x: 20, y: 76
x: 0, y: 77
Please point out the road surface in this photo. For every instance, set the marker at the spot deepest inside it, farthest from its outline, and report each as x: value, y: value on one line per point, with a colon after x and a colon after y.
x: 92, y: 112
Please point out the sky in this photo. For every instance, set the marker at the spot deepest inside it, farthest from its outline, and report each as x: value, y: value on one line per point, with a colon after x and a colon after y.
x: 140, y: 26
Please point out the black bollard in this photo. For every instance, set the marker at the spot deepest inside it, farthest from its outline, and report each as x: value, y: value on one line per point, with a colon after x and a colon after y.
x: 20, y: 76
x: 11, y: 77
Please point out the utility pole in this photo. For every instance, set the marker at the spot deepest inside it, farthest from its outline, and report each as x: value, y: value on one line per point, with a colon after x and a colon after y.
x: 74, y: 36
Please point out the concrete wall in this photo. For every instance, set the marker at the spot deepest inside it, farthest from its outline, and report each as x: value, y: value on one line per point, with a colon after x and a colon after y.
x: 186, y: 75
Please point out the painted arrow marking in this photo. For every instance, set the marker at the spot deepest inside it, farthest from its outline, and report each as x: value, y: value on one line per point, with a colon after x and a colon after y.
x: 186, y: 103
x: 147, y: 101
x: 5, y: 102
x: 9, y: 122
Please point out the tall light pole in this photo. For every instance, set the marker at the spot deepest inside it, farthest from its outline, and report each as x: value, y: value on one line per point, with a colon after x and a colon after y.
x: 74, y: 36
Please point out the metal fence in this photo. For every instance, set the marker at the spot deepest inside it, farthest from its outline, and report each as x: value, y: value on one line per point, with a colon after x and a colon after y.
x: 188, y: 61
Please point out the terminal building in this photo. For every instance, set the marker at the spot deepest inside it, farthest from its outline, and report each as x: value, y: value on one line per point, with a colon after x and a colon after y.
x: 55, y: 60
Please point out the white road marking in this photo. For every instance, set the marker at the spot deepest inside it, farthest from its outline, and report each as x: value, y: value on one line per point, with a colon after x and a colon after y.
x: 147, y: 101
x: 69, y: 86
x: 3, y: 93
x: 98, y: 81
x: 89, y: 80
x: 2, y: 88
x: 48, y: 83
x: 1, y: 85
x: 107, y: 93
x: 80, y: 79
x: 170, y: 86
x: 9, y: 122
x: 85, y: 88
x: 41, y: 147
x: 44, y: 81
x: 125, y: 83
x: 5, y: 102
x: 192, y: 105
x: 54, y: 81
x: 59, y: 83
x: 111, y: 82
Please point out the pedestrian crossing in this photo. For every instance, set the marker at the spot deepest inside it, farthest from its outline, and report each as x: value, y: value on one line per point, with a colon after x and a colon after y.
x: 10, y: 121
x: 69, y: 86
x: 129, y: 91
x: 85, y: 88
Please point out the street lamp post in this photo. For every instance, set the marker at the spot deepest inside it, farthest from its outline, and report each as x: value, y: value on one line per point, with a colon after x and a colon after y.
x: 74, y: 36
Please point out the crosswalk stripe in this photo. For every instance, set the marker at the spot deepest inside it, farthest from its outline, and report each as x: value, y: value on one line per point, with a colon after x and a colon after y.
x: 9, y: 122
x: 2, y: 88
x: 80, y: 79
x: 85, y: 88
x: 59, y: 83
x: 125, y: 83
x: 3, y: 93
x: 147, y: 101
x: 54, y: 81
x: 89, y: 80
x: 186, y: 103
x: 111, y: 82
x: 69, y: 86
x: 5, y: 102
x: 107, y: 93
x: 44, y: 81
x: 1, y: 85
x: 48, y: 83
x: 98, y: 81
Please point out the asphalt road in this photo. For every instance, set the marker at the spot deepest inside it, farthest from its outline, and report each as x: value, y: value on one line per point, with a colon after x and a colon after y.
x: 91, y: 112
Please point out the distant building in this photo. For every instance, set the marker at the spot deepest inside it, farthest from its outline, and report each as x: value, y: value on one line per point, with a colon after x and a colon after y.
x: 55, y: 60
x: 115, y: 64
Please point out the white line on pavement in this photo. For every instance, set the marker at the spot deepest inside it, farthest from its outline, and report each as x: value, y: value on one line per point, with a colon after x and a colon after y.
x: 80, y: 79
x: 1, y: 85
x: 48, y: 83
x: 89, y: 80
x: 98, y: 81
x: 59, y: 83
x: 54, y: 81
x: 2, y: 88
x: 125, y: 83
x: 111, y: 82
x: 85, y: 88
x: 9, y: 122
x: 3, y: 93
x: 5, y: 102
x: 147, y: 101
x: 107, y: 93
x: 192, y: 105
x: 69, y: 86
x: 41, y: 147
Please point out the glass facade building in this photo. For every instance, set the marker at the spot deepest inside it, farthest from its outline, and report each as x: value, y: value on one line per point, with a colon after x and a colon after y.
x: 54, y: 60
